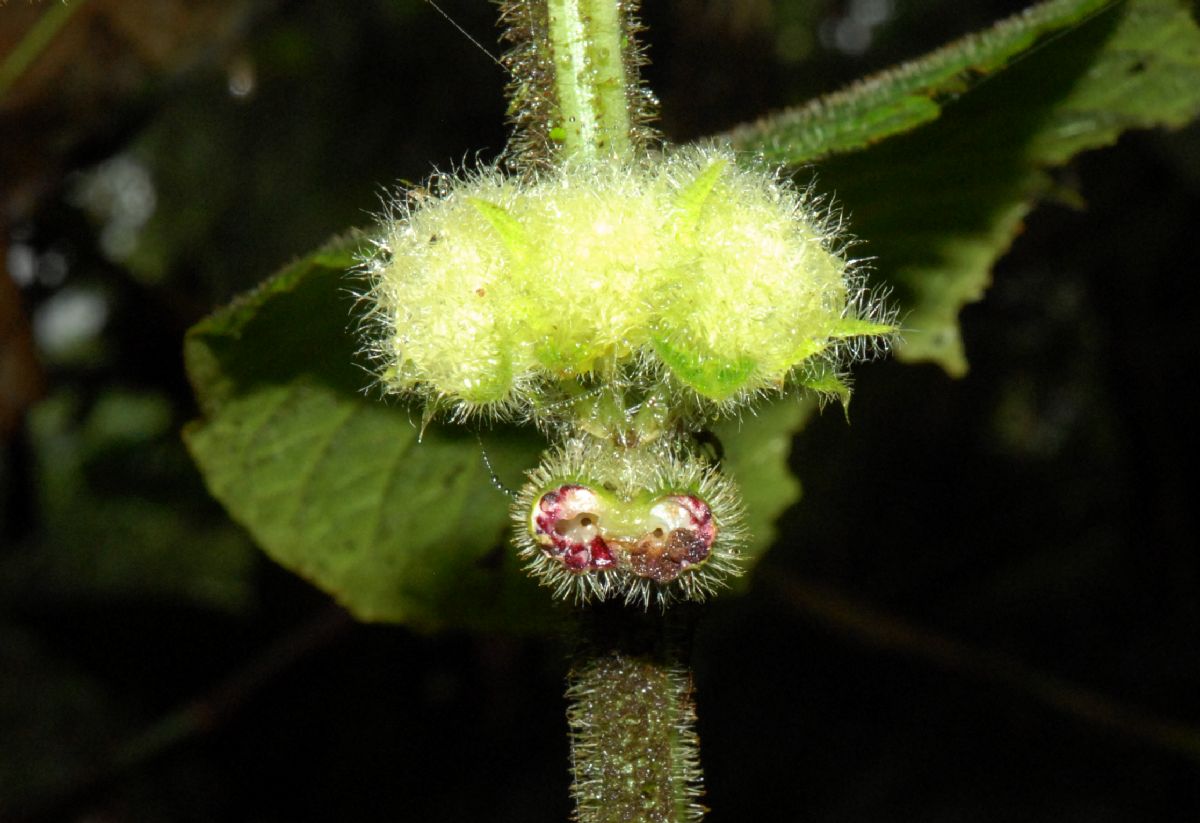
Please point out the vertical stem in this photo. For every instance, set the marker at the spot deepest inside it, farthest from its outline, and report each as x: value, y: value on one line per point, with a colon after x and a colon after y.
x: 634, y: 750
x: 35, y: 41
x: 587, y: 39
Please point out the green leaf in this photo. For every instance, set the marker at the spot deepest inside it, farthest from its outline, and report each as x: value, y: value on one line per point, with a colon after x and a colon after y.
x: 907, y: 96
x: 938, y: 205
x: 342, y: 488
x: 757, y: 447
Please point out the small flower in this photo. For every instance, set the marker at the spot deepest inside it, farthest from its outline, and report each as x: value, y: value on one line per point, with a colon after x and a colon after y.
x: 647, y: 524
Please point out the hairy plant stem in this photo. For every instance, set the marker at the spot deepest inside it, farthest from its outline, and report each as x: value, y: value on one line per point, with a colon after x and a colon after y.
x: 576, y: 96
x: 634, y: 751
x: 587, y: 39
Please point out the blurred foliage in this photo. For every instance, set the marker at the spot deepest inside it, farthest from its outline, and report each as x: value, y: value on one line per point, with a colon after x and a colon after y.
x: 119, y: 513
x: 1039, y: 507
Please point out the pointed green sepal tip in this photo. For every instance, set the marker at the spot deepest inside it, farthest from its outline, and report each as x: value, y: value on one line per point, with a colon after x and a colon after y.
x: 826, y: 382
x: 704, y: 372
x: 511, y: 232
x: 690, y: 202
x: 848, y: 327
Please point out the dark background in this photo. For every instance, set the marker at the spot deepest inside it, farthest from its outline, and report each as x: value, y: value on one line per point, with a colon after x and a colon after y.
x: 986, y: 607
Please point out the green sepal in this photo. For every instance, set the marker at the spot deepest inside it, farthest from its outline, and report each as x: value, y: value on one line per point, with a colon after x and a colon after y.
x: 706, y: 373
x: 690, y: 201
x: 510, y: 230
x: 848, y: 327
x: 824, y: 380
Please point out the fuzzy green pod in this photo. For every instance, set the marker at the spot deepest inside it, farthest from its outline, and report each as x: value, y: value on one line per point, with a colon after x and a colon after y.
x: 682, y: 275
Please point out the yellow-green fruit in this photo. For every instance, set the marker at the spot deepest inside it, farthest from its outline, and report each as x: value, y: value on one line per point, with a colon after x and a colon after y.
x: 682, y: 268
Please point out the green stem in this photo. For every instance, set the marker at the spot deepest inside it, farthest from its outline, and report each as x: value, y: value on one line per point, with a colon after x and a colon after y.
x: 35, y: 41
x: 634, y: 750
x: 588, y: 43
